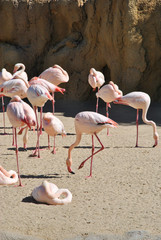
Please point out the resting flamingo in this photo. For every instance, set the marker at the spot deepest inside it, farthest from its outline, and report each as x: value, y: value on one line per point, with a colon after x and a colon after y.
x: 49, y: 193
x: 108, y: 93
x: 19, y: 72
x: 7, y: 177
x: 89, y: 123
x: 139, y: 100
x: 20, y: 114
x: 56, y: 75
x: 96, y: 79
x: 53, y: 126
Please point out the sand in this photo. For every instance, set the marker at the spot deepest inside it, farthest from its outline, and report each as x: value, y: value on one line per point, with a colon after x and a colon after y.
x: 124, y: 193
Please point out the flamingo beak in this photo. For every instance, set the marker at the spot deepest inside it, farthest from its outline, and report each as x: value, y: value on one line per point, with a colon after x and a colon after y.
x: 58, y: 89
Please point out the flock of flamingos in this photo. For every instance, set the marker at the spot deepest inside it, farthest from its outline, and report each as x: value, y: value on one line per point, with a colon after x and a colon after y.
x: 41, y: 89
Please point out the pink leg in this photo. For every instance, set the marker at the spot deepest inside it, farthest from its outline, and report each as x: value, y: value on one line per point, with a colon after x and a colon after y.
x: 54, y: 151
x: 48, y: 142
x: 38, y: 135
x: 91, y: 158
x: 3, y: 108
x: 97, y: 105
x: 53, y: 104
x: 102, y: 147
x: 13, y: 139
x: 137, y: 127
x: 107, y: 104
x: 40, y: 120
x: 20, y: 184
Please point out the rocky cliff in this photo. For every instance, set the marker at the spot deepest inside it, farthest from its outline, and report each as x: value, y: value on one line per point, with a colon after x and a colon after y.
x: 120, y: 38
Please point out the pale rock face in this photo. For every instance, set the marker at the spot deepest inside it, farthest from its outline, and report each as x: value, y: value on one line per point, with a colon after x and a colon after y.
x: 121, y: 39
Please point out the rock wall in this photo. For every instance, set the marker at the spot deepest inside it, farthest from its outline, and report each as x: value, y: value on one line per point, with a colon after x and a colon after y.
x: 120, y: 38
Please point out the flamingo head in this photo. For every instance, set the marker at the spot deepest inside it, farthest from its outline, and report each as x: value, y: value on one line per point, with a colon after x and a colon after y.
x: 15, y: 98
x: 69, y: 164
x: 18, y: 66
x: 156, y: 138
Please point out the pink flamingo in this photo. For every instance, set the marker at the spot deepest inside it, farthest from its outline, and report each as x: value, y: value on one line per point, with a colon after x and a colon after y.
x: 20, y: 114
x: 96, y: 79
x: 49, y: 193
x: 7, y: 177
x: 89, y: 123
x: 4, y: 76
x: 139, y: 100
x: 38, y: 95
x: 19, y: 72
x: 53, y: 126
x: 108, y: 93
x: 55, y: 75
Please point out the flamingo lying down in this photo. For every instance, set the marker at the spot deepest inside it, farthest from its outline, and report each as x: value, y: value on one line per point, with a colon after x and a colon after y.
x: 49, y: 193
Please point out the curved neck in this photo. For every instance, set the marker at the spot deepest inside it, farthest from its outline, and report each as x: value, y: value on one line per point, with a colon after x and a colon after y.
x: 18, y: 72
x: 77, y: 141
x: 149, y: 122
x: 67, y: 199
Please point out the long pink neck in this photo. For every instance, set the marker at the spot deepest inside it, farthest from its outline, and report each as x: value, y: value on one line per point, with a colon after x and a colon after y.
x: 77, y: 141
x: 149, y: 122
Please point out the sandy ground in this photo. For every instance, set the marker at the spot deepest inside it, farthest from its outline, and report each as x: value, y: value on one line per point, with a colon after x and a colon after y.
x: 124, y: 193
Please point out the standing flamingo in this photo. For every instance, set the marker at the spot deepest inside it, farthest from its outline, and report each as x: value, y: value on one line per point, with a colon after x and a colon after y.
x: 53, y: 126
x: 96, y: 79
x: 19, y: 72
x: 7, y: 177
x: 139, y: 100
x: 108, y: 93
x: 89, y: 123
x: 38, y: 95
x: 20, y: 114
x: 49, y: 193
x: 56, y: 75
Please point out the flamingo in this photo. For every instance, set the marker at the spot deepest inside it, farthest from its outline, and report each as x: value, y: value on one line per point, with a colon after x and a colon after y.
x: 38, y: 95
x: 89, y: 123
x: 7, y: 177
x: 139, y: 100
x: 53, y: 126
x: 108, y: 93
x: 20, y: 114
x: 56, y: 75
x: 18, y: 73
x: 96, y: 79
x: 49, y: 193
x: 4, y: 76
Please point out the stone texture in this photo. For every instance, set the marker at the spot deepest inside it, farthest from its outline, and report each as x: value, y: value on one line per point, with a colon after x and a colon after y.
x: 120, y: 38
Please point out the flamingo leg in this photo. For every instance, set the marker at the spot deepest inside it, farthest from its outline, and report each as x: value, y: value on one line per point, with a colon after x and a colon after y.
x: 53, y: 103
x: 38, y: 136
x: 3, y: 108
x: 20, y: 184
x: 40, y: 120
x: 137, y: 127
x: 102, y: 147
x: 48, y: 142
x: 13, y: 140
x: 107, y: 114
x: 91, y: 158
x: 54, y: 151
